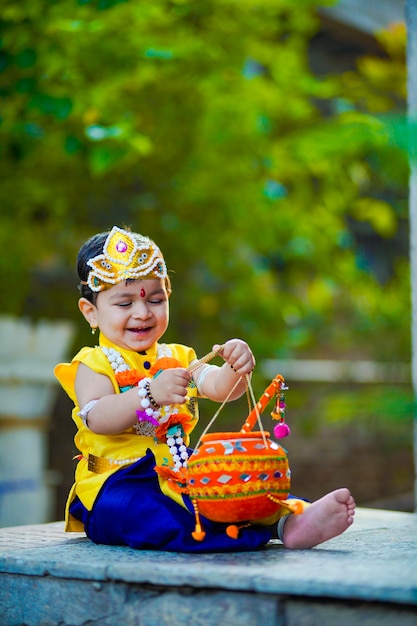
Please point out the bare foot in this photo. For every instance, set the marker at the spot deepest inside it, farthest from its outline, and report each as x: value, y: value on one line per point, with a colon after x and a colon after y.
x: 320, y: 521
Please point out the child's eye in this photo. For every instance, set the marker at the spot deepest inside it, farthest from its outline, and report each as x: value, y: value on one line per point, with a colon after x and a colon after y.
x: 158, y: 301
x: 124, y: 304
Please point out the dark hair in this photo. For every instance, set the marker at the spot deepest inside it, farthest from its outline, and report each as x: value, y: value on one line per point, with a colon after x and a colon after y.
x: 91, y: 248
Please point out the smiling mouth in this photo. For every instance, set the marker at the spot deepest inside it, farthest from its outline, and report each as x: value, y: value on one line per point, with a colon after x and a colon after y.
x: 140, y: 331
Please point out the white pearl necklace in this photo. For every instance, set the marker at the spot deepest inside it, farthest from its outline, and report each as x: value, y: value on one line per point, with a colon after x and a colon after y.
x: 147, y: 428
x: 178, y: 450
x: 116, y: 360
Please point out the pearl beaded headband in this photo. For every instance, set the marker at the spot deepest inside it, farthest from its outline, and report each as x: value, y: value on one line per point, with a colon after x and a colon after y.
x: 125, y: 255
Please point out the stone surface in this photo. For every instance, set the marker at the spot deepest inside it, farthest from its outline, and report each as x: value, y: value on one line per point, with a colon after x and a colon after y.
x: 369, y: 574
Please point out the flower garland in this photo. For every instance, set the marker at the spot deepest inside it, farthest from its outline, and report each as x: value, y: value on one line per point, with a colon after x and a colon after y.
x: 164, y: 423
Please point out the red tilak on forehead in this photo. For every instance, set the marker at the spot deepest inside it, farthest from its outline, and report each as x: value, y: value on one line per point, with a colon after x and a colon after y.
x: 142, y: 293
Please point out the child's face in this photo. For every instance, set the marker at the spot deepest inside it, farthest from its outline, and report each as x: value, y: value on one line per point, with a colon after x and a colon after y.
x: 133, y: 314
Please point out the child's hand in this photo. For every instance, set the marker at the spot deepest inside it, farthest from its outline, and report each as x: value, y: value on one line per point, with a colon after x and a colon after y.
x: 170, y: 386
x: 238, y: 355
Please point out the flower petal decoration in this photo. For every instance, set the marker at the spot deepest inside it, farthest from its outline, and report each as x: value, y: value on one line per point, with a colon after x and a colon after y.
x: 129, y: 378
x: 176, y: 478
x: 164, y: 363
x: 180, y: 419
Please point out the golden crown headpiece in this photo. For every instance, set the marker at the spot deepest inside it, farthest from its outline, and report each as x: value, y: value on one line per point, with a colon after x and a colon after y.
x: 125, y: 255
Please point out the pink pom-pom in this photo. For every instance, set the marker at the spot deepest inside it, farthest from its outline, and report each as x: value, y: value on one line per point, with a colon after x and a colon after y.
x: 281, y: 430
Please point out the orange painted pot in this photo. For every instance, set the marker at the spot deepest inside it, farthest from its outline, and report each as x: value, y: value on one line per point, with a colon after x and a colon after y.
x: 239, y: 476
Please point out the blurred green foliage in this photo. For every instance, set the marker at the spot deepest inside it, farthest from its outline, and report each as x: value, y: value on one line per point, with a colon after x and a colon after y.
x: 201, y: 125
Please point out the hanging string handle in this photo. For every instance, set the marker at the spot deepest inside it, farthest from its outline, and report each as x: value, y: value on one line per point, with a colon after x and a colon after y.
x: 254, y: 416
x: 194, y: 366
x: 215, y: 416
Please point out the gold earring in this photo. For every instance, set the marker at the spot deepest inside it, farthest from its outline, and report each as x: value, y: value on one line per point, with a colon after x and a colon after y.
x: 93, y: 330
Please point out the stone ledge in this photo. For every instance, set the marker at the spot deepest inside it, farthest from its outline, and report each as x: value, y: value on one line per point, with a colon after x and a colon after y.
x: 64, y: 578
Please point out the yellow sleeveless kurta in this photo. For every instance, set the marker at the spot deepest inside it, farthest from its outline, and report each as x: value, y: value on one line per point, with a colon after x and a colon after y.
x: 124, y: 446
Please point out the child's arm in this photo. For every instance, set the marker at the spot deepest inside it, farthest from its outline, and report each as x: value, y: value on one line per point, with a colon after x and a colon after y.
x: 218, y: 381
x: 113, y: 413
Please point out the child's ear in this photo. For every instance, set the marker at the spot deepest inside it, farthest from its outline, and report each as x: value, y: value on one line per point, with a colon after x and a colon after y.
x: 89, y: 311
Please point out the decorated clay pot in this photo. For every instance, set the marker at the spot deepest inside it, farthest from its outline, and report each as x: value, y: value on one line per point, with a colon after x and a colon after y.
x: 238, y: 476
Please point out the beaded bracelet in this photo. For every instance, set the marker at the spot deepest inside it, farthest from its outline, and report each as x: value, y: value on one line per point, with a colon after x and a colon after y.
x: 144, y: 392
x: 155, y: 405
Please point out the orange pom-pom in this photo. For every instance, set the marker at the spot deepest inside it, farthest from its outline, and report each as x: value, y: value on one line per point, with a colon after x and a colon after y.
x: 232, y: 531
x: 198, y: 535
